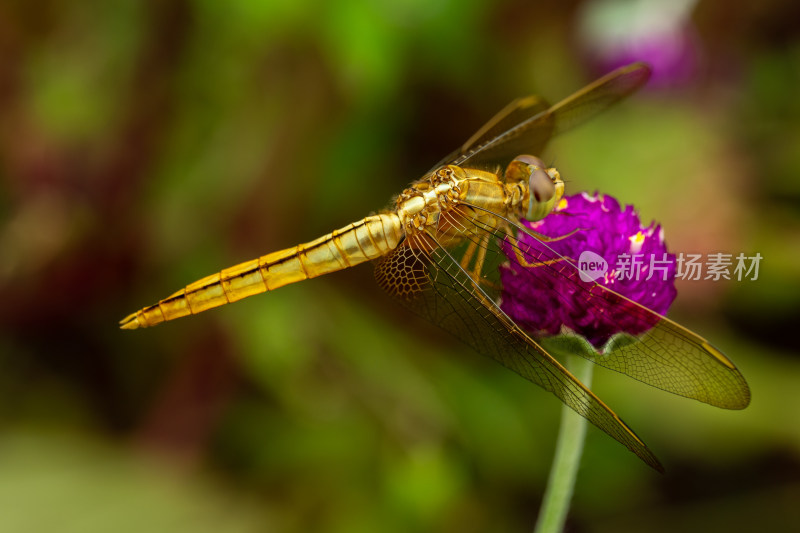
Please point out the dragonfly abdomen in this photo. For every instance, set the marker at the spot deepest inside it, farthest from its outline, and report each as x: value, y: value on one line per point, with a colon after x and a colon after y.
x: 361, y: 241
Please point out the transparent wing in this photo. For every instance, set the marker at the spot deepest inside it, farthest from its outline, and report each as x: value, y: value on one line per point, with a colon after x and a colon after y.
x: 526, y: 125
x: 667, y: 356
x: 428, y: 279
x: 514, y: 114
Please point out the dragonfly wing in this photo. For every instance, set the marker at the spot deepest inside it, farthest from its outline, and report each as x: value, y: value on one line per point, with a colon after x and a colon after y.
x: 522, y: 131
x: 429, y: 280
x: 515, y: 113
x: 598, y: 96
x: 667, y: 356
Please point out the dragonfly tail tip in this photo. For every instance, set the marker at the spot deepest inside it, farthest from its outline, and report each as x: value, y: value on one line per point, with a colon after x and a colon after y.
x: 130, y: 322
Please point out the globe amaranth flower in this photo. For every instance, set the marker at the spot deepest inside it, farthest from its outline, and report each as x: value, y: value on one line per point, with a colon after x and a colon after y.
x: 595, y: 241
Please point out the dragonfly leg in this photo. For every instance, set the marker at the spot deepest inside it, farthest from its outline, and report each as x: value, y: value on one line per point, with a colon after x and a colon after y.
x: 545, y: 238
x: 476, y: 271
x: 480, y: 245
x: 467, y: 259
x: 520, y: 257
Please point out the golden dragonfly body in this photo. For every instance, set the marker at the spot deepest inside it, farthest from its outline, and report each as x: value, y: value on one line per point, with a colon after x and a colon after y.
x: 438, y: 250
x: 426, y: 204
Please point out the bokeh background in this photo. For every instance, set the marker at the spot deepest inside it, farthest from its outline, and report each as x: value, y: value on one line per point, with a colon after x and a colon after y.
x: 145, y: 144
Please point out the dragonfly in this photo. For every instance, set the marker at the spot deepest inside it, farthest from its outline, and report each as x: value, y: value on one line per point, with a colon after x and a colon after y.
x: 437, y: 250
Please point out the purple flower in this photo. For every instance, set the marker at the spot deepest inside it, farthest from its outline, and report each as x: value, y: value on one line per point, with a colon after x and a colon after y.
x: 551, y: 286
x: 615, y: 33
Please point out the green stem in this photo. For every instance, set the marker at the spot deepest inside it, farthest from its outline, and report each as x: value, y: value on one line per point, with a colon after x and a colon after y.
x: 569, y: 449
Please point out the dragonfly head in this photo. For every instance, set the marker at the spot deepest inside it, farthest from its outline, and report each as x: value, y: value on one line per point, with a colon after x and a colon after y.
x: 544, y: 185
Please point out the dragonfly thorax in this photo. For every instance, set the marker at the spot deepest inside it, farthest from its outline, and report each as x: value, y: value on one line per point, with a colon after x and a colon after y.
x: 421, y: 204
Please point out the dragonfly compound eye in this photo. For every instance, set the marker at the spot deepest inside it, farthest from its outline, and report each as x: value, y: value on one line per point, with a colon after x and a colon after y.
x: 521, y: 168
x: 542, y: 187
x: 530, y: 160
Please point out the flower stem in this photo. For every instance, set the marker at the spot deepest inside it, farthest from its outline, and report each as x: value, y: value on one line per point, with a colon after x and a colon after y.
x: 569, y: 449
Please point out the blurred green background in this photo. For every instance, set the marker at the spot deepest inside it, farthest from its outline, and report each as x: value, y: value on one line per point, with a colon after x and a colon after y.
x: 145, y: 144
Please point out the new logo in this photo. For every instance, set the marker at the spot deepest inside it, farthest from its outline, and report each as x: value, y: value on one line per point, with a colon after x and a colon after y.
x: 591, y: 266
